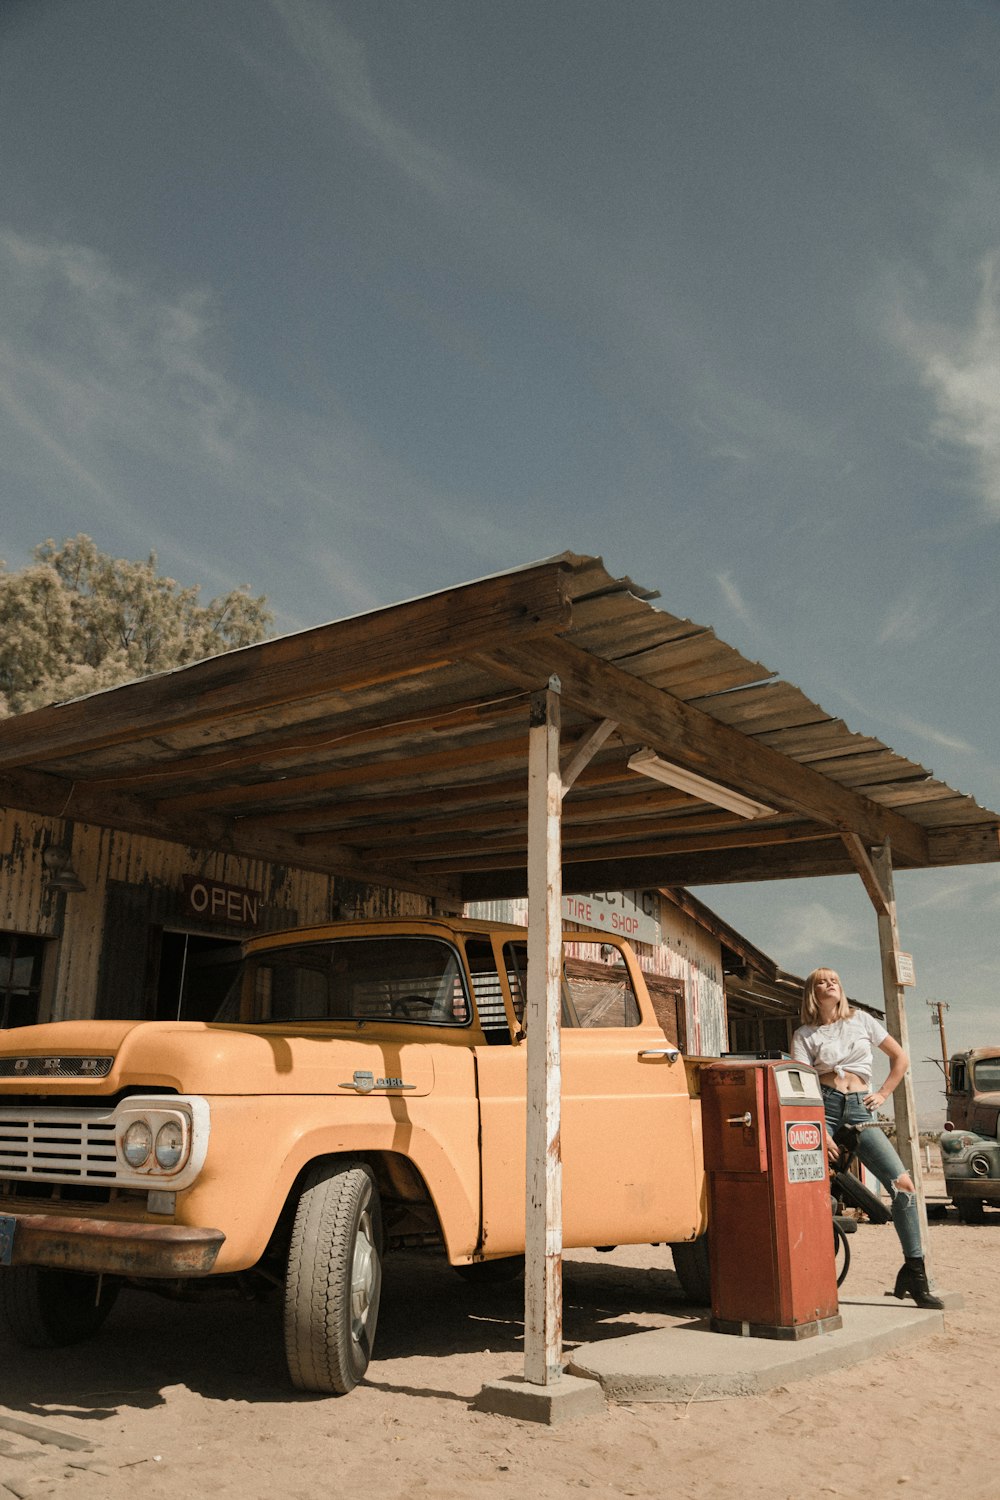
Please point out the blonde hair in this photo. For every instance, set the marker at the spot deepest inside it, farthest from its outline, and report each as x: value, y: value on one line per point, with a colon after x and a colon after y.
x: 809, y: 1010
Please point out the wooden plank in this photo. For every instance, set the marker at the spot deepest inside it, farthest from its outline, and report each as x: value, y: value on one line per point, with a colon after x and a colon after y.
x: 382, y: 646
x: 466, y: 760
x: 701, y: 743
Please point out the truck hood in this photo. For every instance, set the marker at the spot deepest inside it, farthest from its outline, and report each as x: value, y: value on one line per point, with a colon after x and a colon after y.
x: 104, y: 1057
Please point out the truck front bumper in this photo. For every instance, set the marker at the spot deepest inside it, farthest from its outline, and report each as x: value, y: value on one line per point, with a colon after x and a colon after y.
x: 107, y: 1246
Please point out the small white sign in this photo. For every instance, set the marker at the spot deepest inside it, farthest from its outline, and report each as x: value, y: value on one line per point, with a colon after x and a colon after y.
x: 905, y: 972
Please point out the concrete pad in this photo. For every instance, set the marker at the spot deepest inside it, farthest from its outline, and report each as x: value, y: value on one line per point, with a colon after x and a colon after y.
x: 687, y: 1362
x: 564, y: 1400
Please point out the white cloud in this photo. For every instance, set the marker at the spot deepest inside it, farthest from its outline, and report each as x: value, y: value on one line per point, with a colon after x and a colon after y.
x: 961, y: 367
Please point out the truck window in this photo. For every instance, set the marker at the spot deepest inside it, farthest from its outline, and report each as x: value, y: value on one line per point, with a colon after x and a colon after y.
x: 487, y: 990
x: 352, y: 979
x: 594, y: 994
x: 986, y: 1074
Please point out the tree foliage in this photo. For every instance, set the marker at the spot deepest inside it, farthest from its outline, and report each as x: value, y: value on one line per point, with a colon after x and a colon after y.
x: 76, y: 620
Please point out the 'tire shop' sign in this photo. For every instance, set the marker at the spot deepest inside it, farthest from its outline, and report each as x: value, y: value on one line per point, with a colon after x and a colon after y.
x: 213, y: 901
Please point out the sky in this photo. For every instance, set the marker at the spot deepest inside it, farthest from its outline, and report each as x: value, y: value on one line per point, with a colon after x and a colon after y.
x: 351, y: 300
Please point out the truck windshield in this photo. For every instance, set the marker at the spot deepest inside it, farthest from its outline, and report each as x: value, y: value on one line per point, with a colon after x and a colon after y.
x: 351, y: 979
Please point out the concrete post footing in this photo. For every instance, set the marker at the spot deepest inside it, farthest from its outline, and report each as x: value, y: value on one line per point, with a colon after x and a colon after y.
x: 564, y: 1400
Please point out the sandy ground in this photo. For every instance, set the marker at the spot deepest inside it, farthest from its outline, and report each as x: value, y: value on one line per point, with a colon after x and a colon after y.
x: 184, y: 1400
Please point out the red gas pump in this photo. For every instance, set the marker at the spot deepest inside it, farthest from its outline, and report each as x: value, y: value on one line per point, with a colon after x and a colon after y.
x: 771, y: 1243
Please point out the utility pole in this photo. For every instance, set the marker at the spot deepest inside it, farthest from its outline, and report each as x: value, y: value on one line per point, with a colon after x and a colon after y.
x: 938, y: 1008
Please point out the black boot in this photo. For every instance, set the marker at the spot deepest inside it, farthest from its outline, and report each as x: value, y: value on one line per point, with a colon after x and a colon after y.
x: 912, y: 1282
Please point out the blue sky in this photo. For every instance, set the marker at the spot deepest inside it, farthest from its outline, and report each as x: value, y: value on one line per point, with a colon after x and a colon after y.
x: 353, y: 299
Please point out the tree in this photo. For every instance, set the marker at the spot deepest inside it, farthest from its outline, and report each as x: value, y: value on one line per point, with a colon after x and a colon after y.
x: 76, y: 620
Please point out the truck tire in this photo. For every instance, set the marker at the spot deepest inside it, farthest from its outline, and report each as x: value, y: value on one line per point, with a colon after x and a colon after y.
x: 42, y: 1308
x: 691, y: 1265
x: 334, y: 1279
x: 970, y: 1210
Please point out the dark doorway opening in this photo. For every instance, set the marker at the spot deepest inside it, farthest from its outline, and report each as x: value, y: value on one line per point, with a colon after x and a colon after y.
x: 195, y: 973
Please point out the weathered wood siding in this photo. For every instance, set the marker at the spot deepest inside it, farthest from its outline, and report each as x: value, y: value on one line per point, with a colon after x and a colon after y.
x: 106, y: 859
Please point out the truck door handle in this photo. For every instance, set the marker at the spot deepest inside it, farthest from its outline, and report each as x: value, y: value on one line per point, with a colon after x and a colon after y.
x: 672, y: 1053
x: 745, y: 1119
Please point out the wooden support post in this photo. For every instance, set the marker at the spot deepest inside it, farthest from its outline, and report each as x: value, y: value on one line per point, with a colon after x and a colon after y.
x: 543, y: 1200
x: 904, y: 1103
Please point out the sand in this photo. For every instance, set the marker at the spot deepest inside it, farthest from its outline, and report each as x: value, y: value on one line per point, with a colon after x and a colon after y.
x: 179, y: 1400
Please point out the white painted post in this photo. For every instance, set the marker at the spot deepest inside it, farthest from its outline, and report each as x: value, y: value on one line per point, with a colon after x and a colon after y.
x: 543, y: 1199
x: 903, y: 1099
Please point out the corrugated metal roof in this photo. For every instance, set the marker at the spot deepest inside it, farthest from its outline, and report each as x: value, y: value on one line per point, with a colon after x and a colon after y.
x: 392, y: 746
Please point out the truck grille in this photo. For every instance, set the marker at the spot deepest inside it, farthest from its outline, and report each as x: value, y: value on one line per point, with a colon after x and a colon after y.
x: 48, y: 1145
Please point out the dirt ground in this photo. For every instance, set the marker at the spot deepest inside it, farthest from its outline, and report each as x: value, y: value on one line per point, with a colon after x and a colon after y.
x: 181, y: 1400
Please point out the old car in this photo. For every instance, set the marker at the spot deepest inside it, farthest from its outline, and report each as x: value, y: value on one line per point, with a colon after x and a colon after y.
x: 362, y: 1089
x: 970, y: 1142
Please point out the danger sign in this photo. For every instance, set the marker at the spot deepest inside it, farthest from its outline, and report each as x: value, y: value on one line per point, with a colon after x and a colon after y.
x: 804, y: 1151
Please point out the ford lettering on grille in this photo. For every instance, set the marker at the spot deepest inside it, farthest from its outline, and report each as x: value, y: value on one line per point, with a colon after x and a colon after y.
x: 55, y: 1067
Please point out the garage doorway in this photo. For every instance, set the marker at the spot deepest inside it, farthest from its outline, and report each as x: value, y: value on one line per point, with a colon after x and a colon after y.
x: 195, y: 973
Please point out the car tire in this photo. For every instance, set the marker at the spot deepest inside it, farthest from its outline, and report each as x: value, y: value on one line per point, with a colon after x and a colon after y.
x: 334, y: 1279
x: 970, y: 1210
x: 45, y: 1308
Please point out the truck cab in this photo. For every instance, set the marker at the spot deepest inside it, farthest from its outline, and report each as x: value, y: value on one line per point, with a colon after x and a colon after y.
x: 970, y: 1142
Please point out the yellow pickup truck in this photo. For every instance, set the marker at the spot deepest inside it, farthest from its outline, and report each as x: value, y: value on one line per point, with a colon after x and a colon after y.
x: 362, y: 1089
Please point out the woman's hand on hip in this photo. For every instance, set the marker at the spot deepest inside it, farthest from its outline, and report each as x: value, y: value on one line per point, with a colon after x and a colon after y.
x: 874, y: 1100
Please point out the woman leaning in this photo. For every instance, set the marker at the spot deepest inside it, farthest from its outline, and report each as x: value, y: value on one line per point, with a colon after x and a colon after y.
x: 838, y: 1042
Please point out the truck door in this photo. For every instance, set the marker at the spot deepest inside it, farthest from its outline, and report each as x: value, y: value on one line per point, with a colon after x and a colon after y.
x: 628, y: 1150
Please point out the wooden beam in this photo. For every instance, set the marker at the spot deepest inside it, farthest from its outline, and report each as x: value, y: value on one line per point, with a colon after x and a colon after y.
x: 585, y: 752
x: 384, y: 645
x: 869, y: 875
x: 979, y: 844
x: 695, y: 740
x: 543, y: 1159
x: 713, y: 867
x: 604, y: 841
x: 904, y: 1103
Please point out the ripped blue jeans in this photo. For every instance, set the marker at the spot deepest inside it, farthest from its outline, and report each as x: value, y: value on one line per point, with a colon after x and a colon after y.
x: 879, y: 1155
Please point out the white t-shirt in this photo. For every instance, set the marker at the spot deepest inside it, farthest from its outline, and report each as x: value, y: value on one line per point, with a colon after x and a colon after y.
x: 842, y: 1046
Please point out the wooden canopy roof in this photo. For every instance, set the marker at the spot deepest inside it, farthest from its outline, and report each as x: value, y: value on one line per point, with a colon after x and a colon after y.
x: 392, y: 747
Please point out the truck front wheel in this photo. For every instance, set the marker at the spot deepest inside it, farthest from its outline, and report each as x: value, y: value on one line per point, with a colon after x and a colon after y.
x: 970, y: 1210
x: 43, y: 1308
x: 334, y: 1279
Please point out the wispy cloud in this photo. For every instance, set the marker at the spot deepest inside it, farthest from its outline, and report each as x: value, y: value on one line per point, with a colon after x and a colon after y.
x: 934, y: 736
x: 905, y: 622
x: 961, y: 368
x: 815, y: 932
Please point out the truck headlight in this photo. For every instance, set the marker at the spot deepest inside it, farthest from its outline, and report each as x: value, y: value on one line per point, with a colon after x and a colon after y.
x: 169, y: 1145
x: 137, y: 1143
